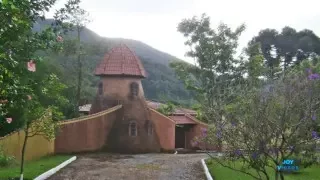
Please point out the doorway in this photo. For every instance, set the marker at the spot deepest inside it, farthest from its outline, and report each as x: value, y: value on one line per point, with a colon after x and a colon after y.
x: 180, y: 137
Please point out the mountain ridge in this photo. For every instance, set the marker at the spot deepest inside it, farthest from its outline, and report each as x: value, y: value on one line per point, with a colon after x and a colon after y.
x: 161, y: 83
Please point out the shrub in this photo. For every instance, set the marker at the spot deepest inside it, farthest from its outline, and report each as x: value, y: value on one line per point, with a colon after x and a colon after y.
x: 6, y: 160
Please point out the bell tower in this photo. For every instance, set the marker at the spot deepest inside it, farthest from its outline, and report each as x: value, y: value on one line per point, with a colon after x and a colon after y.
x: 120, y: 73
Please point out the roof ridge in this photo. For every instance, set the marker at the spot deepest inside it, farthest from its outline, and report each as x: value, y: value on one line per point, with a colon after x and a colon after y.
x: 138, y: 62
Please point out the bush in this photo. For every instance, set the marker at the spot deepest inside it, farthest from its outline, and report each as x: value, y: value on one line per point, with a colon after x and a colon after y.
x: 6, y: 160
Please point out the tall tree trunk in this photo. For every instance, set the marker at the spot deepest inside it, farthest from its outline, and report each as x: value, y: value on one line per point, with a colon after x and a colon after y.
x: 79, y: 71
x: 22, y: 152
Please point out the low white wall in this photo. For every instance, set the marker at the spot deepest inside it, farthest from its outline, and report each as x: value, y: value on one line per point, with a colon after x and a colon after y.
x: 55, y: 169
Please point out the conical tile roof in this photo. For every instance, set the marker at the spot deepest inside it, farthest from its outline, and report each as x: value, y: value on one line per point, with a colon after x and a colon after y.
x: 120, y: 61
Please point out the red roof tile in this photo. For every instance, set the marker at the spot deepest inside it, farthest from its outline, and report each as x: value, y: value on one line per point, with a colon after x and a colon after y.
x: 120, y: 61
x: 182, y: 120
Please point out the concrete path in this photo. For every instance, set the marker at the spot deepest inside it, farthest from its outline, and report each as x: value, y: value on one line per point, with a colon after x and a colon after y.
x: 134, y: 167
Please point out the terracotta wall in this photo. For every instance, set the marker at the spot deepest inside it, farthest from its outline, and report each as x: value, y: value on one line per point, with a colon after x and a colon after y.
x: 120, y: 141
x: 116, y: 90
x: 165, y: 128
x: 37, y: 146
x: 196, y: 131
x: 88, y: 133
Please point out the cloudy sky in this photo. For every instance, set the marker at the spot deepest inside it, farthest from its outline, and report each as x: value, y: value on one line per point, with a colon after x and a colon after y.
x: 155, y: 21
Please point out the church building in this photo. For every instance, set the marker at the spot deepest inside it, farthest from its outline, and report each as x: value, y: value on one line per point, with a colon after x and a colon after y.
x: 136, y: 126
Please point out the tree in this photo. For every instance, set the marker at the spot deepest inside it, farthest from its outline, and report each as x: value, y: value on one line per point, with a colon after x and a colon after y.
x: 27, y: 94
x: 18, y: 44
x: 287, y: 48
x: 254, y: 67
x: 266, y: 126
x: 44, y: 125
x: 215, y: 70
x: 74, y: 18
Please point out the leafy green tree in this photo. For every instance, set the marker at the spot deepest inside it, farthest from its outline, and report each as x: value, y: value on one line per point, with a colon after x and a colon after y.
x: 215, y: 73
x: 26, y: 93
x: 254, y: 66
x: 284, y: 49
x: 18, y: 47
x: 72, y: 17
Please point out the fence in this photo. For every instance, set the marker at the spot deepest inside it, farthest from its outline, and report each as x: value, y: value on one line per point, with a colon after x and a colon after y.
x: 76, y: 135
x: 37, y: 146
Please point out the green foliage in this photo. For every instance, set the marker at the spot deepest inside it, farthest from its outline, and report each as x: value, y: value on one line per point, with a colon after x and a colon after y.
x: 33, y: 168
x: 74, y: 18
x: 287, y: 48
x: 5, y: 160
x: 167, y: 109
x: 215, y: 71
x: 260, y: 122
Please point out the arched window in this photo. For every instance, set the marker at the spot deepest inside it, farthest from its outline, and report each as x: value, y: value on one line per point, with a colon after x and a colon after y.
x: 100, y: 88
x: 133, y: 128
x: 134, y: 89
x: 149, y: 128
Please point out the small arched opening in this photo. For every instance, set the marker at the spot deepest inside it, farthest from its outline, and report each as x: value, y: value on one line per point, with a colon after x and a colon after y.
x: 134, y: 89
x: 133, y: 129
x: 100, y: 88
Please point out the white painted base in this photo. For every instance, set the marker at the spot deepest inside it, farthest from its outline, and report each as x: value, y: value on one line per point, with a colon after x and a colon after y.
x: 55, y: 169
x: 206, y: 171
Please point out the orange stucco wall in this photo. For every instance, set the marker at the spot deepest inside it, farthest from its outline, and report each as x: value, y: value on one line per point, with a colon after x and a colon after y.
x: 37, y: 146
x: 165, y: 128
x: 89, y: 133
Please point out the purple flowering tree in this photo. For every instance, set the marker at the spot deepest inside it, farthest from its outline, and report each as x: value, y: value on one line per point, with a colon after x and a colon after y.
x: 268, y: 125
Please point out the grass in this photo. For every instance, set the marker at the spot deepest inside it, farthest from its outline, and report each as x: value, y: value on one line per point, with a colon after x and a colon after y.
x: 219, y: 172
x: 34, y: 168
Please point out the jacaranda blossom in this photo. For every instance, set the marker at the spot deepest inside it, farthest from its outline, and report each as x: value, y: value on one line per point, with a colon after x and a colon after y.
x: 308, y: 70
x: 273, y: 150
x: 314, y: 134
x: 237, y: 152
x: 31, y: 66
x: 291, y: 148
x: 314, y: 76
x: 313, y: 117
x: 233, y: 123
x: 204, y: 132
x: 9, y: 120
x: 255, y: 155
x: 219, y: 135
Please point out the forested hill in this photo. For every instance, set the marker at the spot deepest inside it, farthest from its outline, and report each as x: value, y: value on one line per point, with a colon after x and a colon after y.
x: 161, y: 83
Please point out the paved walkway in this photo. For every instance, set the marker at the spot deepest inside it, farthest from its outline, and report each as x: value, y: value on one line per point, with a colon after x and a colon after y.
x: 134, y: 167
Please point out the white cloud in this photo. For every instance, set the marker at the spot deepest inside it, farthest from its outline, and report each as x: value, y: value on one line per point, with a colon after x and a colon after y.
x: 155, y: 21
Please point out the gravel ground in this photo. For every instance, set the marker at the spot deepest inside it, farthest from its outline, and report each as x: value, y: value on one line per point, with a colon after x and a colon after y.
x: 134, y: 167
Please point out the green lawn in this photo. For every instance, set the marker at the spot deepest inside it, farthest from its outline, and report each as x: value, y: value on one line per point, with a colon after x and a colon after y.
x: 222, y: 173
x: 33, y: 168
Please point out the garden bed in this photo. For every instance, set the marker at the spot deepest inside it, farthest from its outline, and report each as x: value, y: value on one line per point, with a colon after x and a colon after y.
x: 34, y: 168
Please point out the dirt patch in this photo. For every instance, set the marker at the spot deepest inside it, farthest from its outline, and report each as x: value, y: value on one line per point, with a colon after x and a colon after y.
x: 134, y: 167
